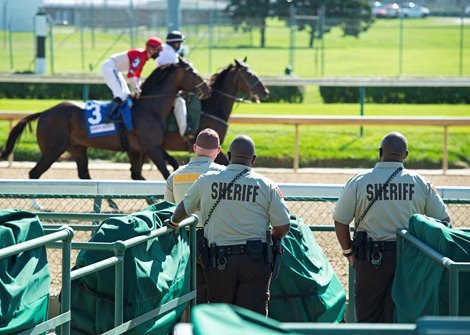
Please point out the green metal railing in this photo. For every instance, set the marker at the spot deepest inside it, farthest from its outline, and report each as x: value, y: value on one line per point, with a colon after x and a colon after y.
x: 435, y: 325
x: 453, y: 267
x: 86, y: 208
x: 119, y: 249
x: 64, y: 234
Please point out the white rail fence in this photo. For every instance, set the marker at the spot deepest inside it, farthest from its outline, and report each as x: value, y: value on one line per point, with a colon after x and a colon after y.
x: 152, y: 188
x: 319, y: 120
x: 444, y: 81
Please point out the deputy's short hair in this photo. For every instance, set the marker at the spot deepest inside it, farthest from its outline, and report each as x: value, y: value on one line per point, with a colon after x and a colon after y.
x: 208, y: 139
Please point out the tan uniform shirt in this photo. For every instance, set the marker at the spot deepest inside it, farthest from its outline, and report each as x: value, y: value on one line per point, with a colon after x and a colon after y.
x: 246, y: 210
x: 181, y: 180
x: 407, y: 193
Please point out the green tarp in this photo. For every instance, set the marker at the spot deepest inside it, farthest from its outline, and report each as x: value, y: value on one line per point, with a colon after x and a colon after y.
x: 421, y: 286
x: 24, y: 278
x: 155, y: 272
x: 225, y: 319
x: 307, y: 288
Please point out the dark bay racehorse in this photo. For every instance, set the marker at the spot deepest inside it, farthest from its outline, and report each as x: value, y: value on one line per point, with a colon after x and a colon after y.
x: 62, y: 127
x: 226, y: 85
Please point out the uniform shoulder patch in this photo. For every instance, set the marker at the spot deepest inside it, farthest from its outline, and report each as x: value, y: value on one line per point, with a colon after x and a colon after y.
x: 278, y: 192
x: 186, y: 178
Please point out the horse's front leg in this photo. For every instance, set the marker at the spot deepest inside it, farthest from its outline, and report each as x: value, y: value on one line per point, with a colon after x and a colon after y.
x: 149, y: 133
x: 171, y: 160
x: 136, y: 160
x: 221, y: 159
x: 157, y: 156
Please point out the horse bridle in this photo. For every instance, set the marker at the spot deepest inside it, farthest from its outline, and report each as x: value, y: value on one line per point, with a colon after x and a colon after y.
x: 250, y: 86
x: 235, y: 98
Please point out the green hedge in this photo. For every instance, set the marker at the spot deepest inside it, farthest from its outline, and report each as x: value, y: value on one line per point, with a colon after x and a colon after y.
x: 398, y: 95
x: 286, y: 94
x: 102, y: 92
x: 53, y: 91
x: 411, y: 95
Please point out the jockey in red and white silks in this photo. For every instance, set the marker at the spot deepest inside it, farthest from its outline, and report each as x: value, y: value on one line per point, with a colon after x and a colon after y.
x: 132, y: 62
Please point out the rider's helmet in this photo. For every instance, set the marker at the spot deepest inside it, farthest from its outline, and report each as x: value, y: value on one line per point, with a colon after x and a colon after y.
x: 174, y: 36
x: 154, y: 42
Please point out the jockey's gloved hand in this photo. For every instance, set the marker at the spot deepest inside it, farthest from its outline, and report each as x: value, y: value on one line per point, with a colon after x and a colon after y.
x: 137, y: 93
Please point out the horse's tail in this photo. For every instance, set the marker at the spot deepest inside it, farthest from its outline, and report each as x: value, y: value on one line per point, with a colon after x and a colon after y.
x: 15, y: 134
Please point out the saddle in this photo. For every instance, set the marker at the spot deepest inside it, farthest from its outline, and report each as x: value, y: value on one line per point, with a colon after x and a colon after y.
x: 193, y: 107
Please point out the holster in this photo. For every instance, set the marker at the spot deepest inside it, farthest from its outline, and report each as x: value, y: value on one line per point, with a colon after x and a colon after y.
x: 269, y: 248
x: 204, y: 251
x: 362, y: 246
x: 278, y: 252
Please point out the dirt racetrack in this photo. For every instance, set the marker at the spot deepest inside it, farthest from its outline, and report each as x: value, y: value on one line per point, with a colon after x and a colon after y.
x: 106, y: 171
x: 314, y: 214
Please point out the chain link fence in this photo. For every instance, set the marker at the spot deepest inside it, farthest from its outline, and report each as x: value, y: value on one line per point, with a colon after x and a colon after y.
x: 81, y: 36
x: 316, y: 212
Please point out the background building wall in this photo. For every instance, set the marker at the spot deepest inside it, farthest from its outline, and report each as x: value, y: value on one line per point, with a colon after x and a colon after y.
x: 151, y: 14
x: 18, y: 15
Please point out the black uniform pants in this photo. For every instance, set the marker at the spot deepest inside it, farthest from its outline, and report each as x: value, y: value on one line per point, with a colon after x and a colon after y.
x: 201, y: 284
x: 244, y: 282
x: 374, y: 289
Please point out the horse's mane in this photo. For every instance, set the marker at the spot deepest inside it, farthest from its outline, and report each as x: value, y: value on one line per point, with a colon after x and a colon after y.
x: 218, y: 77
x: 157, y: 77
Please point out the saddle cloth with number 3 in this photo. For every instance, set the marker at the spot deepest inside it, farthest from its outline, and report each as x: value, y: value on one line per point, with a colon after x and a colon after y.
x: 95, y: 111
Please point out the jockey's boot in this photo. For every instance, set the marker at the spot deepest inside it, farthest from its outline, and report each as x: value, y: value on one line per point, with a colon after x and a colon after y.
x: 188, y: 134
x: 113, y: 109
x: 189, y: 138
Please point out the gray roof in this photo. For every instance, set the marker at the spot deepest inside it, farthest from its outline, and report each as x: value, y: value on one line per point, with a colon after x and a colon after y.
x: 184, y: 4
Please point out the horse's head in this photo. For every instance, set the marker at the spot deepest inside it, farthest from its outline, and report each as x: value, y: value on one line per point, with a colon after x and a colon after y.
x: 192, y: 81
x: 249, y: 83
x: 180, y: 76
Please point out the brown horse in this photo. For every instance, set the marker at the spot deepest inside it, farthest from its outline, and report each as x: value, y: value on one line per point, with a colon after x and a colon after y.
x: 226, y: 85
x: 62, y: 127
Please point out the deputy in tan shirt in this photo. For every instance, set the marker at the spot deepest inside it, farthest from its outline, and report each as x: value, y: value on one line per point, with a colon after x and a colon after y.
x: 237, y: 207
x: 407, y: 193
x: 206, y: 147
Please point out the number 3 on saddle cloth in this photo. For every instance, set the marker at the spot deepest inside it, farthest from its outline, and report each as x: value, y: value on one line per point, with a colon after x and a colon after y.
x: 95, y: 112
x: 193, y: 108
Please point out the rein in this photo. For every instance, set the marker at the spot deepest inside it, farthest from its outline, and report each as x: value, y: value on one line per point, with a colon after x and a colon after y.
x: 157, y: 96
x: 216, y: 118
x: 197, y: 88
x: 234, y: 98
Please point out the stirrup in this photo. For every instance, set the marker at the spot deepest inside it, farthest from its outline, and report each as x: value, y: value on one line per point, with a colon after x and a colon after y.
x: 188, y: 135
x: 189, y: 145
x: 109, y: 119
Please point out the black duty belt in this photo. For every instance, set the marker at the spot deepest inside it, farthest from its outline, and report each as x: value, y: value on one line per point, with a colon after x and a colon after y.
x: 237, y: 249
x: 386, y: 245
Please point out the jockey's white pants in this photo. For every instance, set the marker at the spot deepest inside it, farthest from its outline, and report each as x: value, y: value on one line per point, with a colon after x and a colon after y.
x: 180, y: 114
x: 115, y: 80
